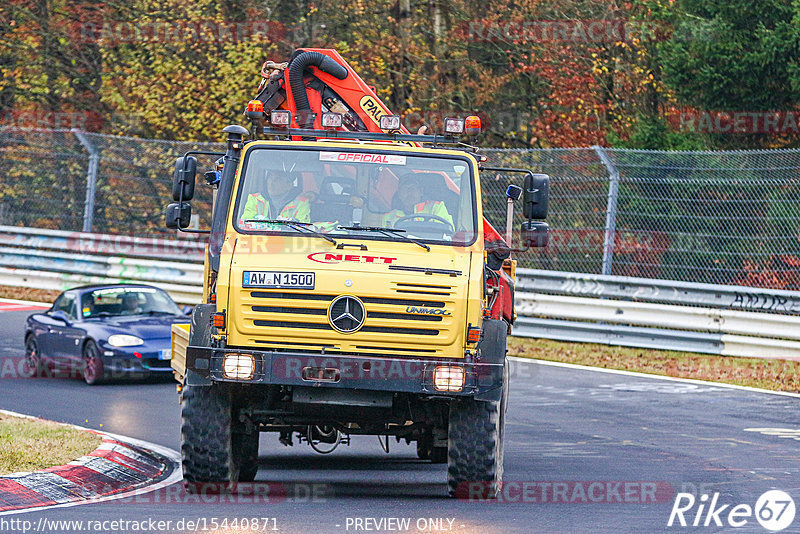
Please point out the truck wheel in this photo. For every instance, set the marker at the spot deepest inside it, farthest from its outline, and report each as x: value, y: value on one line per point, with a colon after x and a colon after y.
x: 245, y: 453
x: 475, y: 448
x: 207, y: 450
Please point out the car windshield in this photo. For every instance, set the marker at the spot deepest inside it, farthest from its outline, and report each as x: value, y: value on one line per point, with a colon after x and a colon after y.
x: 354, y: 192
x: 119, y: 301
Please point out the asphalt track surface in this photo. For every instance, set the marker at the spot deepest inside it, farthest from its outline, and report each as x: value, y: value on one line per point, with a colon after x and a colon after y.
x: 564, y: 425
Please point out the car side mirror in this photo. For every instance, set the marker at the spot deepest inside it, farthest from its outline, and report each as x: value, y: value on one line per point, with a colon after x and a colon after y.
x: 187, y: 310
x: 179, y: 215
x: 535, y: 234
x: 536, y: 194
x: 60, y: 315
x: 183, y: 178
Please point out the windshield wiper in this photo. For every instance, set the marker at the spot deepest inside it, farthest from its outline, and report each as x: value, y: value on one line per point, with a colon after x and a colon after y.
x: 388, y: 232
x: 296, y: 226
x: 159, y: 312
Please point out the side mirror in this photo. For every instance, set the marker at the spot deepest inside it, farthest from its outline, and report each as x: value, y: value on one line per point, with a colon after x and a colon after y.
x: 60, y: 315
x: 179, y: 215
x: 187, y: 310
x: 535, y: 196
x: 535, y: 234
x: 183, y: 178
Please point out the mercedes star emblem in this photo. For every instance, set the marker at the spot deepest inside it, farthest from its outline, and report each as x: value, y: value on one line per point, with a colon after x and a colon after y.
x: 347, y: 314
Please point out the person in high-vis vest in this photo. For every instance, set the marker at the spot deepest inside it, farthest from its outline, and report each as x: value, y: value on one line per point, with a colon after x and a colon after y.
x: 282, y: 201
x: 409, y: 198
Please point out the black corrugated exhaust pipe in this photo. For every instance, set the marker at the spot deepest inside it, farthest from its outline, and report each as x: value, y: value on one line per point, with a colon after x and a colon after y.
x: 298, y: 64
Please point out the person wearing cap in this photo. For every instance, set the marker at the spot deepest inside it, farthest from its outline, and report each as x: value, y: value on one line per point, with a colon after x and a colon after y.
x: 409, y: 201
x: 283, y: 201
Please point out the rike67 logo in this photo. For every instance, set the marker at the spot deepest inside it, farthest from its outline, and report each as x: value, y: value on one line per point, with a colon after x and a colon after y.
x: 774, y: 510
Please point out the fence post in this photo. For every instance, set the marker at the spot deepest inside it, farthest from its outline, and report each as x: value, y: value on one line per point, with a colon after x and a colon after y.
x: 611, y: 209
x: 91, y: 179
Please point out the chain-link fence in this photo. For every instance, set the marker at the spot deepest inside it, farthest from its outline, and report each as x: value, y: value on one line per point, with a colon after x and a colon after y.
x: 717, y: 217
x: 78, y: 181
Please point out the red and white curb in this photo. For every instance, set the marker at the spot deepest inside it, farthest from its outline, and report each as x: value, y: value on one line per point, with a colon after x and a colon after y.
x: 121, y: 467
x: 10, y: 305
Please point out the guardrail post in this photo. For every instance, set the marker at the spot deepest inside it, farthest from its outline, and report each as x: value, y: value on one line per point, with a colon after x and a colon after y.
x: 611, y: 209
x: 91, y: 179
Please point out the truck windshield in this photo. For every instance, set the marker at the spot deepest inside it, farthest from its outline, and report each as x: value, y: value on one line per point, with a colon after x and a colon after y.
x: 338, y: 191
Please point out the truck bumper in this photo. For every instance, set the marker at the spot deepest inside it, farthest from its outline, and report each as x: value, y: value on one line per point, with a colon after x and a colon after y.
x: 483, y: 380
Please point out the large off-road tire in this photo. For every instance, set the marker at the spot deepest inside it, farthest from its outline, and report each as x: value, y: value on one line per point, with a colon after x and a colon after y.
x: 475, y: 448
x: 207, y: 450
x: 93, y: 369
x: 245, y: 454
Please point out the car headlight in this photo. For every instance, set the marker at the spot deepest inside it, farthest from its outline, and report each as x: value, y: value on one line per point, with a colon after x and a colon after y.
x: 124, y: 340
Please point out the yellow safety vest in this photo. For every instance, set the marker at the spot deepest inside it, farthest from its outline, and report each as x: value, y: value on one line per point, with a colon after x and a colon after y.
x: 432, y: 208
x: 257, y: 207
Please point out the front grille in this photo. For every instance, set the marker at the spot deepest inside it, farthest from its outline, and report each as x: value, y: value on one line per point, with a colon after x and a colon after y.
x: 418, y: 315
x: 328, y: 298
x: 326, y: 326
x: 423, y: 289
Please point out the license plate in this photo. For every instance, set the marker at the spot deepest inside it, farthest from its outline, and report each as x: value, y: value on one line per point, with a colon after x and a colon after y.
x: 277, y: 280
x: 165, y: 354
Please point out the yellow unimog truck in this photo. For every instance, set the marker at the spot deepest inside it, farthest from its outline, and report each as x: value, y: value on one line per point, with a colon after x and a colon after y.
x: 351, y: 287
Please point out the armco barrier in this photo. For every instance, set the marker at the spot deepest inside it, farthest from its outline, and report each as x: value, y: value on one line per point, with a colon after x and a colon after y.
x: 54, y: 259
x: 636, y: 312
x: 661, y: 314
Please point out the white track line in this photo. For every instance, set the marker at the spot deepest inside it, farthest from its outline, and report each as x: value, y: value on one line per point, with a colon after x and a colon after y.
x: 655, y: 377
x: 172, y: 455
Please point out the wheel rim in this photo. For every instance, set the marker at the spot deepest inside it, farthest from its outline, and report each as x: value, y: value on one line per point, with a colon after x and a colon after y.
x: 32, y: 355
x: 90, y: 369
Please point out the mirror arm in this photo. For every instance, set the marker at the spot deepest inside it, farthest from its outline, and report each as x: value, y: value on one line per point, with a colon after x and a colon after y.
x: 180, y: 199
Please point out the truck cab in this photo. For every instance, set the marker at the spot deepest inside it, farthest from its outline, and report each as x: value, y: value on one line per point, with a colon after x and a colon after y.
x: 351, y: 287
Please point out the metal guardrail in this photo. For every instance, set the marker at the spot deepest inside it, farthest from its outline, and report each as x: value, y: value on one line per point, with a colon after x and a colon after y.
x: 663, y: 291
x: 614, y: 310
x: 55, y: 259
x: 661, y: 314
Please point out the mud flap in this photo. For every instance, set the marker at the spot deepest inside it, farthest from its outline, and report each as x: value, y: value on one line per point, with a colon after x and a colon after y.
x: 492, y: 349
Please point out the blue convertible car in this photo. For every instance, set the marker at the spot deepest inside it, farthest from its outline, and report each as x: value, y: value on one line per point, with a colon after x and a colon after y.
x: 104, y: 332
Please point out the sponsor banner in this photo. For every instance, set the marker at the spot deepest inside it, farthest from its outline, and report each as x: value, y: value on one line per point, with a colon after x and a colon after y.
x: 358, y: 157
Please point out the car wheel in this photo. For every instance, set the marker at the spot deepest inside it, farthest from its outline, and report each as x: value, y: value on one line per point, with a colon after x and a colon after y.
x: 33, y: 359
x: 93, y: 369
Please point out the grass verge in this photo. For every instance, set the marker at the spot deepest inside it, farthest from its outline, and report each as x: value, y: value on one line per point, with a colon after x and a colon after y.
x: 30, y: 444
x: 29, y: 293
x: 777, y: 375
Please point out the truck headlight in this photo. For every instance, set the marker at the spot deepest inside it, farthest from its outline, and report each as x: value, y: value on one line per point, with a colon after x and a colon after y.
x: 448, y: 378
x: 238, y: 366
x: 124, y: 340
